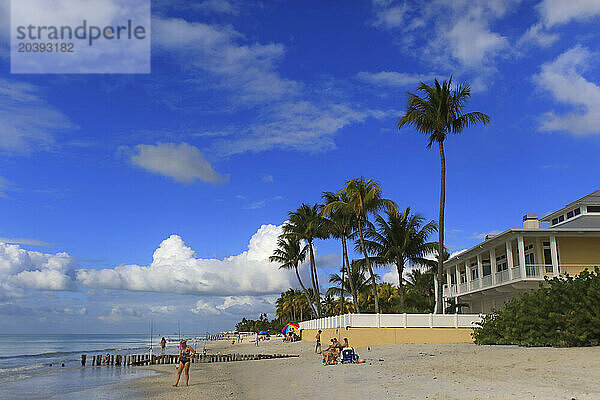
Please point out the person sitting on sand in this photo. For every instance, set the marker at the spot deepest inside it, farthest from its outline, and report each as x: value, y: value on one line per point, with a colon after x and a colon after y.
x: 345, y: 343
x: 106, y: 359
x: 331, y: 352
x: 185, y: 357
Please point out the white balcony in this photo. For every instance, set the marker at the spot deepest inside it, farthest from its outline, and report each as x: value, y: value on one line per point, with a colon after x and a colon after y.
x: 532, y: 273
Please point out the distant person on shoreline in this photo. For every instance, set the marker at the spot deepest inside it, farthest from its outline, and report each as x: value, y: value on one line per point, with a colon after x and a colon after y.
x: 163, y: 345
x: 185, y: 357
x: 318, y: 345
x: 256, y: 338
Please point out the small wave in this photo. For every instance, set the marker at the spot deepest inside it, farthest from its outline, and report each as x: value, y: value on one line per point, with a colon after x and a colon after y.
x: 23, y: 368
x: 65, y: 353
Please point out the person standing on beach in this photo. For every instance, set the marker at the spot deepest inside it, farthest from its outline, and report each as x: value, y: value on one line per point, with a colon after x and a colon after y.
x: 318, y: 345
x: 185, y: 357
x: 163, y: 345
x: 256, y: 338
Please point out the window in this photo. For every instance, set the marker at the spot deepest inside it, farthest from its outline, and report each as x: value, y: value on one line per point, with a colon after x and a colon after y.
x: 548, y: 258
x: 554, y: 221
x: 577, y: 211
x: 530, y: 269
x: 474, y: 271
x: 501, y: 263
x: 593, y: 209
x: 529, y: 259
x: 487, y: 267
x: 463, y: 276
x: 570, y: 214
x: 561, y: 218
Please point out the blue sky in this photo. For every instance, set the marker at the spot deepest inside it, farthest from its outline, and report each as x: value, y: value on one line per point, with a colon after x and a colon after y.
x: 255, y: 107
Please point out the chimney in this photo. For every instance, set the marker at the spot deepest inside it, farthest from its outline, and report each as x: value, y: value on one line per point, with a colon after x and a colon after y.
x: 530, y: 221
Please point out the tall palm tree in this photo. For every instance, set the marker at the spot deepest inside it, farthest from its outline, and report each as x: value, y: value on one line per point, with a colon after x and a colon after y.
x: 341, y: 225
x: 399, y: 239
x: 307, y: 223
x: 438, y: 113
x: 362, y: 197
x: 289, y: 254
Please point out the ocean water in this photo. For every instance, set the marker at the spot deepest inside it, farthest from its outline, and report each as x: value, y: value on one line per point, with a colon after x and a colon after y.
x: 49, y: 366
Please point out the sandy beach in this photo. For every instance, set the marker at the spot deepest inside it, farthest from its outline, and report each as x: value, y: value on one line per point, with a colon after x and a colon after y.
x: 435, y: 371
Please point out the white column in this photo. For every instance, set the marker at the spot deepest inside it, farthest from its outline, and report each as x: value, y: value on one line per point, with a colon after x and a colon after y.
x: 468, y: 274
x: 554, y: 255
x: 435, y: 291
x: 480, y: 269
x: 457, y: 274
x: 521, y: 248
x: 509, y: 259
x: 448, y: 279
x: 493, y: 264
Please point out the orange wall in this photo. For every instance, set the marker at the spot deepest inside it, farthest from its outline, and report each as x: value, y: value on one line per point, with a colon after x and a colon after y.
x: 360, y: 337
x: 579, y: 250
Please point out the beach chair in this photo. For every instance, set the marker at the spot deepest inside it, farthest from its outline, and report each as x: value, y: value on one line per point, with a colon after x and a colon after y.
x: 349, y: 355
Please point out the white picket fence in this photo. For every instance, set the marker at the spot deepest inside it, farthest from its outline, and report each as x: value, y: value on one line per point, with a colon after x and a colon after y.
x: 393, y: 321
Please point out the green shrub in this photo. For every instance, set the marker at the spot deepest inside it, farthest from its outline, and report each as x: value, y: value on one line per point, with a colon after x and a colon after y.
x: 565, y: 312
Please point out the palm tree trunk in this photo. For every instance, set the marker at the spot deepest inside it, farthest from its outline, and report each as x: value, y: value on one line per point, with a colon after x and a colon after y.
x: 349, y: 272
x: 400, y: 269
x: 368, y: 261
x: 441, y: 252
x: 305, y: 293
x: 315, y: 279
x: 342, y: 288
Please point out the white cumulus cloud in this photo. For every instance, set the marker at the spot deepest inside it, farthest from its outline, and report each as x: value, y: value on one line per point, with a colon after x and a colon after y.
x: 182, y: 162
x: 175, y: 268
x: 23, y: 269
x: 563, y: 79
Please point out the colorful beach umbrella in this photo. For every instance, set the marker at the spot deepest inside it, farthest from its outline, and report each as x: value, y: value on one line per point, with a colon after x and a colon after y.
x: 291, y: 327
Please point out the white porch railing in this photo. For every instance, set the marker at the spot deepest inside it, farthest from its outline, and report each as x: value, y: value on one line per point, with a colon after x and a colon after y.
x: 393, y: 321
x: 535, y: 272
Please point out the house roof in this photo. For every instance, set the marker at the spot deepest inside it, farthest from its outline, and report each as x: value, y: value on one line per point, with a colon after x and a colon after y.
x: 592, y: 198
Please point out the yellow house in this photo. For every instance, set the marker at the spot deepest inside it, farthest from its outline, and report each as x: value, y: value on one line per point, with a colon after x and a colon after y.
x: 516, y: 260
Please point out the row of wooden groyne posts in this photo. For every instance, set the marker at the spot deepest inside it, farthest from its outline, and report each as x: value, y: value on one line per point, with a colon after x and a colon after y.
x: 146, y: 359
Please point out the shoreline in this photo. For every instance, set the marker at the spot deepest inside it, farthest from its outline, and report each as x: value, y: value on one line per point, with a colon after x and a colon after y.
x: 435, y: 371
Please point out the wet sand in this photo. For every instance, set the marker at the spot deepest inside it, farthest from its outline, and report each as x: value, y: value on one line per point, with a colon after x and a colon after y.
x: 443, y: 371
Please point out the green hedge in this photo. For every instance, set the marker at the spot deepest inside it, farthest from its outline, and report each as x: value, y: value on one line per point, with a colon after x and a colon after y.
x: 563, y: 313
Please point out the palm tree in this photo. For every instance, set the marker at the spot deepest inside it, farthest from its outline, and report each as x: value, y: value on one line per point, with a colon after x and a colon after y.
x: 436, y: 114
x: 357, y: 278
x: 362, y: 198
x: 341, y: 225
x: 420, y: 291
x: 306, y: 223
x: 285, y: 306
x: 289, y: 254
x: 399, y: 239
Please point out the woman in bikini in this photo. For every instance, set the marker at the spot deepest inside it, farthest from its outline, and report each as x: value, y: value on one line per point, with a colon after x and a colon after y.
x: 185, y: 357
